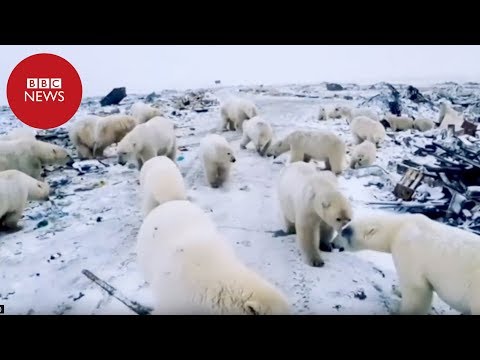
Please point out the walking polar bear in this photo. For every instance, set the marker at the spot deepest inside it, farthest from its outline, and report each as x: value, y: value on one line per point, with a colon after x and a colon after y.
x: 156, y: 137
x: 320, y: 145
x: 364, y: 128
x: 312, y: 207
x: 16, y: 188
x: 29, y: 156
x: 399, y: 123
x: 351, y: 113
x: 160, y: 181
x: 192, y: 270
x: 235, y: 111
x: 217, y: 157
x: 428, y: 255
x: 259, y: 132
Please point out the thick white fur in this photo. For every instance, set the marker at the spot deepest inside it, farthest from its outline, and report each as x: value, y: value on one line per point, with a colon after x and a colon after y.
x: 193, y: 270
x: 364, y: 128
x: 160, y: 181
x: 217, y: 156
x: 320, y: 145
x: 29, y: 156
x: 449, y: 116
x: 428, y: 255
x: 423, y: 124
x: 16, y: 188
x: 351, y: 113
x: 235, y: 111
x: 19, y: 133
x: 363, y: 154
x: 313, y: 207
x: 258, y: 131
x: 144, y: 112
x: 111, y: 130
x: 156, y: 137
x: 399, y: 122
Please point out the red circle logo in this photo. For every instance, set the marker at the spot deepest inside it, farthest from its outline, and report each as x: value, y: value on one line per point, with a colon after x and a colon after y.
x: 44, y: 91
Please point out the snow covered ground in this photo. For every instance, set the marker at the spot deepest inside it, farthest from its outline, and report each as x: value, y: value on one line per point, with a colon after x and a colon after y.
x: 94, y: 218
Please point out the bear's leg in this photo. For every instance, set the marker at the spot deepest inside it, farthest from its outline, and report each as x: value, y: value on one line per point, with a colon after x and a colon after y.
x: 308, y: 238
x: 306, y: 158
x: 296, y: 155
x: 211, y: 174
x: 12, y: 218
x: 172, y: 154
x: 84, y: 152
x: 145, y: 155
x: 335, y: 164
x: 265, y: 147
x: 356, y: 139
x: 244, y: 142
x: 222, y: 174
x: 416, y: 300
x: 289, y: 226
x: 225, y: 121
x: 326, y: 235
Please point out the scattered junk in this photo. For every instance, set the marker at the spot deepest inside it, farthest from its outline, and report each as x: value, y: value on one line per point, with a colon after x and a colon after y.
x: 132, y: 305
x: 455, y: 172
x: 198, y: 101
x: 114, y: 97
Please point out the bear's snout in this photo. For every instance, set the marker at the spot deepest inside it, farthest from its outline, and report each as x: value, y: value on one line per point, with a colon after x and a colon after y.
x: 70, y: 161
x: 233, y: 160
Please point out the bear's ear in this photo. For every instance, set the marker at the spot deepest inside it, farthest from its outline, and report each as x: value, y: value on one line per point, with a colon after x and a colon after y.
x: 252, y: 307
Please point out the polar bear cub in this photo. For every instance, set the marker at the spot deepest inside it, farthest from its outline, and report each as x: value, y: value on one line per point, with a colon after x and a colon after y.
x: 363, y: 155
x: 323, y: 145
x: 313, y: 207
x: 217, y: 156
x: 156, y: 137
x: 160, y: 181
x: 29, y: 156
x: 192, y: 270
x: 235, y: 111
x: 16, y: 188
x: 364, y: 128
x: 258, y: 131
x: 428, y: 255
x: 144, y: 112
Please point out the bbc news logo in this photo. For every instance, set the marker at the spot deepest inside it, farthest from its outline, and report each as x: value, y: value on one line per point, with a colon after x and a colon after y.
x: 36, y: 90
x: 44, y: 91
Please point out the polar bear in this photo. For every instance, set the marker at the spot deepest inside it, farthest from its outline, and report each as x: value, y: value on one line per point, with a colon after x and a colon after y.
x: 110, y: 130
x: 259, y: 132
x: 423, y: 124
x: 322, y: 114
x: 323, y: 145
x: 351, y: 113
x: 19, y: 133
x: 81, y: 134
x: 29, y: 156
x: 156, y: 137
x: 160, y: 181
x: 428, y: 256
x: 312, y: 207
x: 399, y: 123
x: 217, y: 157
x: 235, y: 111
x: 192, y: 269
x: 144, y: 112
x: 16, y: 188
x: 363, y: 154
x: 364, y: 128
x: 449, y: 116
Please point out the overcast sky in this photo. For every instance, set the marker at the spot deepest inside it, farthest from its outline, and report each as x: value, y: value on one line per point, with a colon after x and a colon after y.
x: 143, y: 69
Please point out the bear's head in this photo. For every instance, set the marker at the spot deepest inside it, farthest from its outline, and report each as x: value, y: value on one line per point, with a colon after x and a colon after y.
x: 39, y: 191
x: 333, y: 207
x: 278, y: 148
x: 61, y: 156
x: 266, y: 300
x: 226, y: 154
x: 340, y: 111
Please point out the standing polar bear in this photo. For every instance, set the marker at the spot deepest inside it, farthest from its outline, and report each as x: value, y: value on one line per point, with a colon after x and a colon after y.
x: 144, y: 112
x: 304, y: 145
x: 217, y: 157
x: 449, y: 116
x: 312, y: 207
x: 423, y: 124
x: 351, y: 113
x: 428, y: 255
x: 364, y: 128
x: 160, y: 181
x: 399, y: 123
x: 363, y: 155
x: 92, y: 134
x: 259, y: 132
x: 156, y: 137
x: 16, y: 188
x: 192, y: 270
x: 235, y: 111
x: 29, y: 156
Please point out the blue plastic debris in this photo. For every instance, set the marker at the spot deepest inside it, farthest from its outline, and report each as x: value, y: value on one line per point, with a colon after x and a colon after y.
x: 180, y: 158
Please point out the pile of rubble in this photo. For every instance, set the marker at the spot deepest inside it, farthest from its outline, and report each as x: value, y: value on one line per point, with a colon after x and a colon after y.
x: 455, y: 171
x: 198, y: 101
